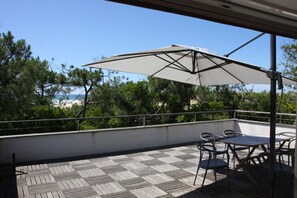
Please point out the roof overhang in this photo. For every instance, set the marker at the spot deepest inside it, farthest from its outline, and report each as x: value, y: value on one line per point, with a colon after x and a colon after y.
x: 277, y: 17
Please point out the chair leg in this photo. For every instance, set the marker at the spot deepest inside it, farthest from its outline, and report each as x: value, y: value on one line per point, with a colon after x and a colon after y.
x: 215, y: 174
x: 289, y: 160
x: 233, y: 159
x: 259, y: 176
x: 204, y: 178
x: 196, y: 175
x: 228, y: 179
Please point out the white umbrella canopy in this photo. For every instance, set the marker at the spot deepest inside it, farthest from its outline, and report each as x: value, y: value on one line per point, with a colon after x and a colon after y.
x: 190, y: 65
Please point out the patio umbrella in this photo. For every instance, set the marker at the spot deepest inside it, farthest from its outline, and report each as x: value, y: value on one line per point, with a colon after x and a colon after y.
x: 202, y: 67
x: 190, y: 65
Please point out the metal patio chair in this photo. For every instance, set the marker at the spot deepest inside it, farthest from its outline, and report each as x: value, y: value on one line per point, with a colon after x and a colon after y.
x: 229, y: 133
x: 283, y: 169
x: 208, y: 159
x: 210, y: 137
x: 288, y: 149
x: 213, y: 139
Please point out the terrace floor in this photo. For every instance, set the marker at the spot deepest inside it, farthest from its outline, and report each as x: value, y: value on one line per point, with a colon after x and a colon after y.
x: 157, y: 173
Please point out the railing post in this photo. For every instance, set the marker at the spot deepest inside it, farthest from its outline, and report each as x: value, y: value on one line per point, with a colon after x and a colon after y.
x: 13, y: 163
x: 234, y: 114
x: 78, y: 123
x: 143, y: 121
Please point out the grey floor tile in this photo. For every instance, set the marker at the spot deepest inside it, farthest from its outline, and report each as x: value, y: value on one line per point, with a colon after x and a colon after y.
x: 178, y: 174
x: 125, y: 194
x: 154, y: 162
x: 98, y: 180
x: 112, y: 169
x: 84, y: 166
x: 66, y: 176
x: 80, y: 192
x: 144, y: 171
x: 183, y: 164
x: 135, y: 183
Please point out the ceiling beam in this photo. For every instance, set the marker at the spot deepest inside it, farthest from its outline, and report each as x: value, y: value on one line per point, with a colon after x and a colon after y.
x: 224, y: 13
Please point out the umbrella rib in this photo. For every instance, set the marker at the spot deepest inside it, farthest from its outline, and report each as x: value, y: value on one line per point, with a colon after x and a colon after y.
x: 219, y: 66
x: 134, y: 55
x: 181, y: 68
x: 198, y: 71
x: 226, y: 59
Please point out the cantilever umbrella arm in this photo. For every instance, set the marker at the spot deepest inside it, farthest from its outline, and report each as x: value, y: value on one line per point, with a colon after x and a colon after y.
x: 189, y: 65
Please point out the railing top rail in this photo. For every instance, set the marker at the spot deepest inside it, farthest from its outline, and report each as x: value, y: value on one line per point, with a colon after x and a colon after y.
x: 263, y: 112
x: 120, y: 116
x: 142, y: 116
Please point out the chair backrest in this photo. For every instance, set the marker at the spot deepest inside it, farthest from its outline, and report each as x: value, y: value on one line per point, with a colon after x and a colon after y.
x: 286, y: 134
x: 209, y: 151
x: 229, y: 133
x: 202, y: 146
x: 208, y: 137
x: 292, y: 143
x: 291, y: 135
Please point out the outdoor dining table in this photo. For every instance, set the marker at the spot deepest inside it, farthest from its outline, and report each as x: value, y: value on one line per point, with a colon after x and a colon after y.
x: 253, y: 142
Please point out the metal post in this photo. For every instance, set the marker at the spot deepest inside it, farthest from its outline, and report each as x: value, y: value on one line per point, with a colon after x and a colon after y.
x: 13, y: 164
x: 143, y: 121
x: 295, y: 160
x: 272, y: 112
x: 78, y: 125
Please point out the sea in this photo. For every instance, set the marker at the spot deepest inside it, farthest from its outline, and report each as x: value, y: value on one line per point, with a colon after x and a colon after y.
x: 69, y: 97
x: 67, y: 100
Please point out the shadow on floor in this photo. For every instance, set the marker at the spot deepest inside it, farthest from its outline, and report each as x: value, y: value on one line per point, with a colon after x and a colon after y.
x: 240, y: 186
x: 8, y: 182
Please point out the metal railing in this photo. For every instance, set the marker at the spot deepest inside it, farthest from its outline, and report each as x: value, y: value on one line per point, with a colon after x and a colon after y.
x: 17, y: 127
x: 281, y: 118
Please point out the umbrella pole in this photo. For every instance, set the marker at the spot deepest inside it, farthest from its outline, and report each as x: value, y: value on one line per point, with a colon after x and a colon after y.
x: 272, y: 113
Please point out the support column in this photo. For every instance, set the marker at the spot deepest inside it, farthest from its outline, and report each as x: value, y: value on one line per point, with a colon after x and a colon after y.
x: 272, y: 113
x: 295, y: 165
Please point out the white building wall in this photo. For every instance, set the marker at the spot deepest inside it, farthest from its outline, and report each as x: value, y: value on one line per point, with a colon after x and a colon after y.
x: 74, y: 144
x: 260, y: 128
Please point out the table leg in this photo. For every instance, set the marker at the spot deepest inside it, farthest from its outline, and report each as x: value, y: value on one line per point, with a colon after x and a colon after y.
x: 242, y: 162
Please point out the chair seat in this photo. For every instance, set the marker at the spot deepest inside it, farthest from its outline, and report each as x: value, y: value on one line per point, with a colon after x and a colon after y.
x: 239, y: 148
x: 221, y: 150
x: 283, y: 168
x: 208, y: 155
x: 213, y: 164
x: 280, y: 168
x: 286, y: 151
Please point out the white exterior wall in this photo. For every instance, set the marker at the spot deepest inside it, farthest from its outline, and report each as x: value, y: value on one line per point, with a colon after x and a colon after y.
x: 73, y: 144
x: 260, y: 128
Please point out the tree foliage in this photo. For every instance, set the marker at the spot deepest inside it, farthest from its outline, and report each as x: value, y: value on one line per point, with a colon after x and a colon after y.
x: 26, y: 82
x: 28, y: 85
x: 85, y: 78
x: 290, y: 59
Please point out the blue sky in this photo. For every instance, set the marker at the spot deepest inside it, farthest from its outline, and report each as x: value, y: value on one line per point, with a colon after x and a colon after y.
x: 76, y: 32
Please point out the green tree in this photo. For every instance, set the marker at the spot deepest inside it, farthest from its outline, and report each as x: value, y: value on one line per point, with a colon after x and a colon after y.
x: 171, y: 96
x: 116, y: 97
x: 85, y: 78
x: 26, y: 82
x: 47, y: 82
x: 16, y: 88
x: 290, y: 59
x: 134, y: 98
x: 290, y: 70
